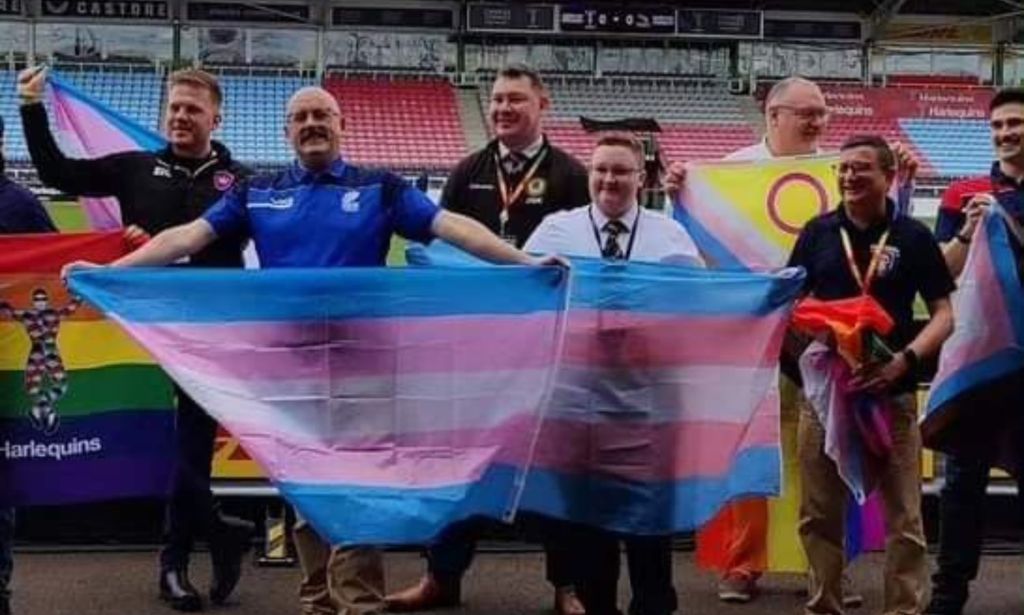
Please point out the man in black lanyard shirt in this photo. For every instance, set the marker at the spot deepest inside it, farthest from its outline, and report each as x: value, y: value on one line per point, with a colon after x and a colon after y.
x: 509, y: 186
x: 158, y: 190
x: 838, y: 250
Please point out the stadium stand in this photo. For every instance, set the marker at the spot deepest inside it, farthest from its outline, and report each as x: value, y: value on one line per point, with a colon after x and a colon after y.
x: 699, y: 119
x: 401, y: 123
x: 254, y: 117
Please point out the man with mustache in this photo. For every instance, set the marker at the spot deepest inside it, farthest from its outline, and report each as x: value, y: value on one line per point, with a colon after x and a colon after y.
x: 796, y: 116
x: 509, y: 186
x: 20, y: 212
x: 324, y: 212
x: 962, y: 501
x: 859, y: 249
x: 158, y: 190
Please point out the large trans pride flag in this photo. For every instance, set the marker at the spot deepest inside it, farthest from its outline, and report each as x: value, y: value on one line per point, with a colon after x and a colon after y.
x: 385, y: 404
x: 87, y: 128
x: 85, y: 413
x: 974, y: 406
x: 666, y: 406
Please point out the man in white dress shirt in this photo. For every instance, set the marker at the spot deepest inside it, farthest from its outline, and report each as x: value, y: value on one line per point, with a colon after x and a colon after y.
x: 614, y: 226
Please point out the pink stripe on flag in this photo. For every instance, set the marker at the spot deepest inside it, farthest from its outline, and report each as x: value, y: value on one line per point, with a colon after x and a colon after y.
x: 354, y: 348
x: 90, y: 131
x: 639, y: 341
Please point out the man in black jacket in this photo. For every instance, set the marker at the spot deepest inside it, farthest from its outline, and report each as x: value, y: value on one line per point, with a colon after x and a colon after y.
x: 509, y: 186
x: 157, y: 191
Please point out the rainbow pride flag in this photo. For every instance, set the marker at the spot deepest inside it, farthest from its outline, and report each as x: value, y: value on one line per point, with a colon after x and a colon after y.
x: 666, y: 405
x: 85, y: 414
x: 973, y: 409
x: 87, y: 128
x: 385, y: 404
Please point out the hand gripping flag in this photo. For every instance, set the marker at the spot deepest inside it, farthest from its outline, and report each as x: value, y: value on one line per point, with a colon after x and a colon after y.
x: 86, y: 128
x: 385, y: 404
x: 85, y: 413
x: 974, y: 406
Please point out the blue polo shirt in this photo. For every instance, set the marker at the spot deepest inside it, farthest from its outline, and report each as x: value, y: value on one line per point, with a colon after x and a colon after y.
x: 21, y: 211
x: 343, y: 216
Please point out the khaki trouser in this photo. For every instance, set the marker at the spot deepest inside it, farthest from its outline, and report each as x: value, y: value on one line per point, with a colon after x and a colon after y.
x: 337, y: 581
x: 823, y: 507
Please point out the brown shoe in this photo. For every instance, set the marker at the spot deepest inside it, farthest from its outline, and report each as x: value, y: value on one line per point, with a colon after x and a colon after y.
x: 425, y: 595
x: 567, y: 602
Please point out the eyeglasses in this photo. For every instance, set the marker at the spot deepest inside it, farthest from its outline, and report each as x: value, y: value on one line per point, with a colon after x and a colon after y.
x: 805, y: 113
x: 318, y: 115
x: 616, y: 172
x: 853, y: 168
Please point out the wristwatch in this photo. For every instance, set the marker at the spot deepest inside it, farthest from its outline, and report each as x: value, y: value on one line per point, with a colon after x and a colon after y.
x: 911, y: 358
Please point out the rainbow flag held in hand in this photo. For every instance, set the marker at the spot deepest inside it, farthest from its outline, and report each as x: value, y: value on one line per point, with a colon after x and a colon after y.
x: 385, y: 404
x: 87, y: 128
x: 974, y: 405
x: 85, y: 414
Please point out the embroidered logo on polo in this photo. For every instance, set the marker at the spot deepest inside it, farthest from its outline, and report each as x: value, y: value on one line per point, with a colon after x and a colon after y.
x: 162, y: 171
x: 888, y: 261
x: 350, y: 202
x: 265, y: 199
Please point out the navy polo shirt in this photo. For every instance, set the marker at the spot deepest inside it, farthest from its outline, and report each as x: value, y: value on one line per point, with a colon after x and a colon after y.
x: 20, y: 210
x: 344, y: 216
x: 911, y: 264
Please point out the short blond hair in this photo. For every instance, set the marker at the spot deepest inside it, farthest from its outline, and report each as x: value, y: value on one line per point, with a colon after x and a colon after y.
x: 197, y: 78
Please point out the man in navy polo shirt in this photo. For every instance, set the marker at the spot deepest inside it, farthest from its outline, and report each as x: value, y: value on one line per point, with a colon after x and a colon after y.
x: 861, y: 248
x: 324, y: 212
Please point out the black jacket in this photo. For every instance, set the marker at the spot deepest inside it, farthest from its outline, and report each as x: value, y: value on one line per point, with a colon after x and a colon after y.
x: 156, y: 190
x: 472, y: 189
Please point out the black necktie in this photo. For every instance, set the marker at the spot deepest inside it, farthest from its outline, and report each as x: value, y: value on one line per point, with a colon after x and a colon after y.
x: 611, y: 249
x: 513, y: 163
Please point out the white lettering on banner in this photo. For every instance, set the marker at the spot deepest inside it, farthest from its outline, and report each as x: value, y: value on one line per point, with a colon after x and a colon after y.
x: 960, y: 114
x: 50, y: 450
x: 858, y: 111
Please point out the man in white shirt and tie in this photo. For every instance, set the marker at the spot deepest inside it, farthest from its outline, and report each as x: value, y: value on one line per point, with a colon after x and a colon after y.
x: 614, y: 227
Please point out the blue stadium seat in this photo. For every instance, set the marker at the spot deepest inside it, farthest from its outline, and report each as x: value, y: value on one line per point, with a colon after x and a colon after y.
x: 955, y: 148
x: 253, y: 127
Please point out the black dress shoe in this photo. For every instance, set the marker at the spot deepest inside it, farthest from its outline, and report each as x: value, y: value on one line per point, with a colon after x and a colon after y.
x: 5, y: 606
x: 177, y: 590
x: 232, y: 540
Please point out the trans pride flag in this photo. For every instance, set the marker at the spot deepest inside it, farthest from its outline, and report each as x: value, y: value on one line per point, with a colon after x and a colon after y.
x: 974, y: 406
x: 86, y: 128
x: 85, y: 414
x: 666, y: 403
x: 384, y: 403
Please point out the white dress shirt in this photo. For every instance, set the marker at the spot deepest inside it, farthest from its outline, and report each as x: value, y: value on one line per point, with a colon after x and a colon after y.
x: 655, y: 237
x: 528, y: 152
x: 757, y: 151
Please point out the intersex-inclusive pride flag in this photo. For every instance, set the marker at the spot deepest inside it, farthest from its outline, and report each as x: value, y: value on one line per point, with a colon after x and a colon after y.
x: 974, y: 406
x: 85, y: 413
x: 747, y: 215
x: 86, y: 128
x: 384, y: 403
x: 666, y: 404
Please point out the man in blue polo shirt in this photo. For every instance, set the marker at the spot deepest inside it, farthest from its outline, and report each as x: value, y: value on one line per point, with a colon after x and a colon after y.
x: 324, y: 212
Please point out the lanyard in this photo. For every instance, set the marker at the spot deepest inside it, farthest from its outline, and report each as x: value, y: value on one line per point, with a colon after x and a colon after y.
x: 863, y: 282
x: 632, y: 232
x: 509, y: 199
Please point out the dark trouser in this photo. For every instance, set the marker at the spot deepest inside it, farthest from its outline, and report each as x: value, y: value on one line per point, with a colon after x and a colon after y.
x: 962, y: 521
x: 6, y: 555
x: 450, y: 557
x: 649, y: 560
x: 191, y: 511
